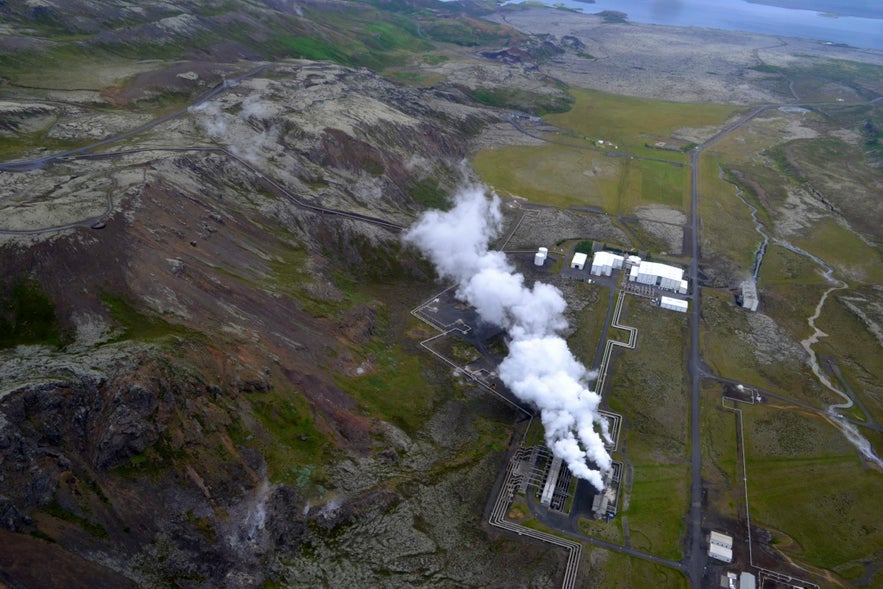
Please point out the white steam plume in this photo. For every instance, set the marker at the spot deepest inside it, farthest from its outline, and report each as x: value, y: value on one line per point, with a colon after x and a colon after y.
x: 244, y: 134
x: 539, y: 369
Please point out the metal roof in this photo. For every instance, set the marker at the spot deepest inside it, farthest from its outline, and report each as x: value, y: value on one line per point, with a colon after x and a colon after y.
x: 663, y: 301
x: 664, y: 270
x: 721, y: 539
x: 606, y: 259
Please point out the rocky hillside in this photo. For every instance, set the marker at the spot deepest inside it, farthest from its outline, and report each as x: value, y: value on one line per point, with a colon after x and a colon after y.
x: 207, y: 377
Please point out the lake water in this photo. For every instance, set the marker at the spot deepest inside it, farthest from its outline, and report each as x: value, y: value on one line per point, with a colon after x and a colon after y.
x: 738, y: 15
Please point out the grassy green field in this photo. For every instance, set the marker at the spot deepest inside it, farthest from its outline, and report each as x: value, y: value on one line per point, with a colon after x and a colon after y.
x: 631, y: 122
x: 589, y: 323
x: 396, y: 389
x: 649, y: 390
x: 859, y: 362
x: 720, y: 464
x: 791, y: 287
x: 727, y: 229
x: 606, y: 530
x: 658, y: 507
x: 727, y: 340
x: 565, y: 176
x: 624, y: 572
x: 808, y: 485
x: 574, y: 170
x: 838, y: 246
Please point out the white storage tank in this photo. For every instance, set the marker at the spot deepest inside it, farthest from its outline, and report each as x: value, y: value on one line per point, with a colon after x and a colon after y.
x: 539, y: 258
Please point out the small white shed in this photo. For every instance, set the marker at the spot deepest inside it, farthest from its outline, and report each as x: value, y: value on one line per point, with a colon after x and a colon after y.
x: 579, y: 261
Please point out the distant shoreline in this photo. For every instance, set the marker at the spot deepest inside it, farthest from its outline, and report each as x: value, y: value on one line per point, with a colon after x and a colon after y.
x: 765, y: 17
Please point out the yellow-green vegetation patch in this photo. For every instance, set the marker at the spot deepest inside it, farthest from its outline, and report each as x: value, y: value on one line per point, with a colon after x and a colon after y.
x: 295, y: 446
x: 649, y: 390
x: 752, y: 349
x: 27, y: 316
x: 570, y: 176
x: 727, y: 229
x: 631, y: 123
x: 770, y: 128
x: 394, y: 387
x: 649, y: 381
x: 782, y: 266
x: 807, y: 483
x: 291, y: 273
x: 857, y: 353
x: 624, y: 572
x: 138, y: 325
x: 66, y: 68
x: 720, y: 461
x: 589, y: 323
x: 852, y: 258
x: 610, y: 530
x: 657, y: 507
x: 790, y: 288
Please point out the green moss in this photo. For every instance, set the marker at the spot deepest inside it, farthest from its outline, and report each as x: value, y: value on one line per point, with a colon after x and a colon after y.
x: 140, y: 326
x: 57, y: 511
x: 428, y: 193
x: 507, y: 97
x: 295, y: 443
x: 623, y: 572
x: 309, y: 48
x: 42, y: 536
x: 396, y: 389
x: 584, y: 247
x: 27, y: 316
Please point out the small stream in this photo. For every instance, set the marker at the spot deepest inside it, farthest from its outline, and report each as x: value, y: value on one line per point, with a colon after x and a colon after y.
x: 760, y: 252
x: 849, y: 431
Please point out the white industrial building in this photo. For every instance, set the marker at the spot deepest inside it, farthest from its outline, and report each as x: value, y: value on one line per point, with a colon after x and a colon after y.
x: 747, y: 581
x: 579, y: 260
x: 673, y: 304
x: 661, y: 275
x: 720, y: 546
x: 748, y: 295
x: 604, y: 263
x: 539, y: 258
x: 551, y: 481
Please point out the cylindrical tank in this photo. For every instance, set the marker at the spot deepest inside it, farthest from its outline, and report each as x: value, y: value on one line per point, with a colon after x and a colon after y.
x: 540, y: 257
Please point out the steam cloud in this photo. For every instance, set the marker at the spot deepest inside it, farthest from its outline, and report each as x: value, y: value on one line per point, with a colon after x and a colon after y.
x: 245, y: 134
x: 540, y: 369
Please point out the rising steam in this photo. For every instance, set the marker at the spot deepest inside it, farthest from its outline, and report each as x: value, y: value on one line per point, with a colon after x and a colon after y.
x: 539, y: 369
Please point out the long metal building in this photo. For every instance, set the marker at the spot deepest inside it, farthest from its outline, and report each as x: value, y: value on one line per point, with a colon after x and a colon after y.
x: 661, y: 275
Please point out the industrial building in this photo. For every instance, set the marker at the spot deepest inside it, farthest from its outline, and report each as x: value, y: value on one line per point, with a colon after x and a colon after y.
x: 539, y: 258
x: 605, y: 503
x: 661, y: 275
x: 549, y: 476
x: 604, y: 263
x: 673, y: 304
x: 579, y: 261
x: 720, y: 546
x: 551, y: 481
x: 744, y: 580
x: 747, y: 581
x: 748, y: 295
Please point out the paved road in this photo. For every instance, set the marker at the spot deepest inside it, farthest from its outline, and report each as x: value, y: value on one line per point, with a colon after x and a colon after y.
x: 870, y: 424
x: 34, y: 164
x: 299, y: 201
x: 695, y: 555
x: 566, y: 526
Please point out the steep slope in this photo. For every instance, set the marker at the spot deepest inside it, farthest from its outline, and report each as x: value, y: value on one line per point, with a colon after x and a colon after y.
x: 227, y: 349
